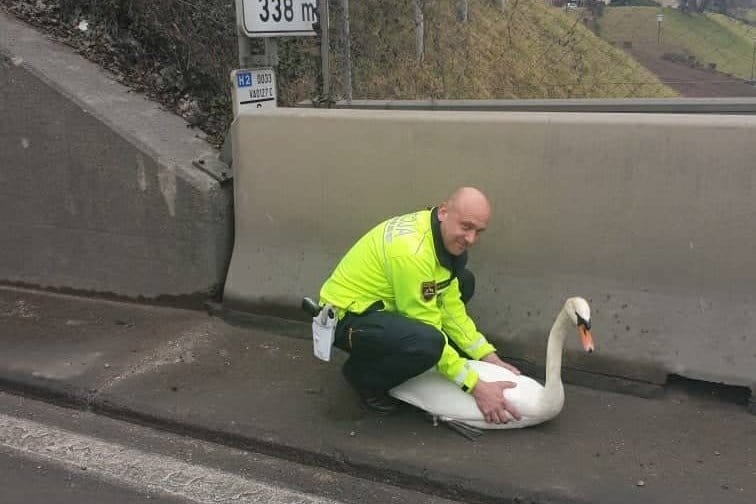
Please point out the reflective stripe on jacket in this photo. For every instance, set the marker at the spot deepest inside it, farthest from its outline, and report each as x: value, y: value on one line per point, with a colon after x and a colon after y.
x: 397, y: 262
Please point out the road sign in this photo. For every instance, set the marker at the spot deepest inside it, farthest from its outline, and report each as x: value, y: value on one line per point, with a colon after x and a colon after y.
x: 278, y: 18
x: 253, y: 89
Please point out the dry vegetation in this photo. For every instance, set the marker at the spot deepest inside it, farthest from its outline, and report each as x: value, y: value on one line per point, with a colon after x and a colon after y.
x: 181, y: 52
x: 708, y: 40
x: 530, y: 50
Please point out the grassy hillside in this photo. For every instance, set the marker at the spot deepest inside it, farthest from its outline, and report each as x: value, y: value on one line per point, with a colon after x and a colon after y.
x: 180, y: 52
x: 530, y: 50
x: 738, y: 27
x: 709, y: 38
x: 748, y: 15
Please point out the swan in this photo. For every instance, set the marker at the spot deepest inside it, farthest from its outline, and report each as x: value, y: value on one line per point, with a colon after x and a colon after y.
x: 536, y: 403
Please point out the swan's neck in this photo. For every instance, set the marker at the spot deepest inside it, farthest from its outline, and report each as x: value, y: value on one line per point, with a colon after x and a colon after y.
x: 554, y: 353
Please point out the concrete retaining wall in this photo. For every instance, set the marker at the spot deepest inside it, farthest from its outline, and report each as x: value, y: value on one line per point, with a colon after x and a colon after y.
x: 98, y: 191
x: 648, y: 216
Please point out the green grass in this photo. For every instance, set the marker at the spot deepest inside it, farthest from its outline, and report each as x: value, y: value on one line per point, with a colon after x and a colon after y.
x: 749, y: 15
x: 530, y: 50
x: 710, y: 38
x: 738, y: 27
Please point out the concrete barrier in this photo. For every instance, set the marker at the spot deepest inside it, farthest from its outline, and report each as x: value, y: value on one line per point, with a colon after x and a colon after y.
x: 648, y: 216
x: 99, y: 190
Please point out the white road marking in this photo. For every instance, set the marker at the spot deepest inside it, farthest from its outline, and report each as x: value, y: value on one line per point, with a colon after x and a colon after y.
x: 141, y: 470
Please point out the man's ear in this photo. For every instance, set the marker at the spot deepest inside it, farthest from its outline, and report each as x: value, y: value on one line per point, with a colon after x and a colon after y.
x: 443, y: 211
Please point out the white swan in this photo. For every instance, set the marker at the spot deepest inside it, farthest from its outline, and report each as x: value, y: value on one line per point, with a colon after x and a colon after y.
x: 536, y: 403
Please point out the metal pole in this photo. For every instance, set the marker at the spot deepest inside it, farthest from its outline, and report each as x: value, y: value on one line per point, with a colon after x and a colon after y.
x: 419, y: 32
x: 347, y: 52
x: 325, y: 51
x: 753, y: 60
x: 246, y: 58
x: 242, y: 40
x: 271, y: 51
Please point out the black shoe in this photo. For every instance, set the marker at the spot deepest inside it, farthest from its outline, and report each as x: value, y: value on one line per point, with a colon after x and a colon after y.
x: 379, y: 403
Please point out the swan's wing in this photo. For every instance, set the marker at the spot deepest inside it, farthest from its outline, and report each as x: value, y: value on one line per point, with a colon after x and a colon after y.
x: 527, y: 396
x: 491, y: 372
x: 435, y: 394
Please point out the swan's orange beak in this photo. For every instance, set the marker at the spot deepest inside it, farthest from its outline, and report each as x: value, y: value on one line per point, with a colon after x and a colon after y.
x: 585, y: 338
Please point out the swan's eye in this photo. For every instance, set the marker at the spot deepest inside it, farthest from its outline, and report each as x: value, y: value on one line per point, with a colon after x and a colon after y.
x: 583, y: 322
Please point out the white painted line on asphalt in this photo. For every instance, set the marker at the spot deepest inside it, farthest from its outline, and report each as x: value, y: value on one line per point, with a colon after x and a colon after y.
x: 138, y: 469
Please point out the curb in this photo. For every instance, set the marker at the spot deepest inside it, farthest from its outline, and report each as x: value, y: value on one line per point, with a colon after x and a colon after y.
x: 448, y: 486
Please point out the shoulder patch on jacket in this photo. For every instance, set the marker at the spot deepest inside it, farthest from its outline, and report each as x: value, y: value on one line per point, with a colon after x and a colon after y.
x: 428, y: 290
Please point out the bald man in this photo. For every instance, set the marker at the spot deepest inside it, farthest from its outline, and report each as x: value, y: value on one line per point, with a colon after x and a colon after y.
x: 400, y: 293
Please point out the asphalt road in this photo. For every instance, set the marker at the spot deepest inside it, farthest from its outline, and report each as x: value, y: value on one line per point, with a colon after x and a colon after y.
x: 27, y: 481
x: 52, y: 454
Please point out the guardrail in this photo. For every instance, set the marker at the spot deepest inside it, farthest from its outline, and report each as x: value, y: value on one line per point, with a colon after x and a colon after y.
x: 631, y: 106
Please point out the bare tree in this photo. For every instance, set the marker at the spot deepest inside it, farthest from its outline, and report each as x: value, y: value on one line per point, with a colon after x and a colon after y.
x: 462, y: 10
x: 419, y: 31
x: 347, y: 51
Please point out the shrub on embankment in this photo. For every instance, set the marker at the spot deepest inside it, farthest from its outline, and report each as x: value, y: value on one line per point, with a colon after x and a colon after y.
x: 181, y: 52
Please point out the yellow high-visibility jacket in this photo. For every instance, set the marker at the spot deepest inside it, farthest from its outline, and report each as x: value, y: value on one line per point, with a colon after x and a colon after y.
x: 403, y: 263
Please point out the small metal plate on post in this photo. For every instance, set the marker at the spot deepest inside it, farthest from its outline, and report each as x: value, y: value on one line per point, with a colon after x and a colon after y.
x: 214, y: 167
x: 253, y: 89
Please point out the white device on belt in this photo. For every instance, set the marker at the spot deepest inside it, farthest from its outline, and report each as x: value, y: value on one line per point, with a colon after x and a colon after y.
x: 323, y: 327
x: 323, y: 332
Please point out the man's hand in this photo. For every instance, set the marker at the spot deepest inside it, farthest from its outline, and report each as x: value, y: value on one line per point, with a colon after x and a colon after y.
x: 492, y: 358
x: 491, y: 401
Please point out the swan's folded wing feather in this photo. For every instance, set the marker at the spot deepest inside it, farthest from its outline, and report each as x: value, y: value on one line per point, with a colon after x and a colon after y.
x: 527, y: 396
x: 491, y: 372
x: 435, y: 394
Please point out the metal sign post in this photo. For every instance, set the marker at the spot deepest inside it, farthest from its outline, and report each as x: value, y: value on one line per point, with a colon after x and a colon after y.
x: 325, y: 49
x: 254, y: 83
x: 753, y: 62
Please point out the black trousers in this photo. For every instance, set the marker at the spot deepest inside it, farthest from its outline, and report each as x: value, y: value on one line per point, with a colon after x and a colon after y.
x: 386, y: 349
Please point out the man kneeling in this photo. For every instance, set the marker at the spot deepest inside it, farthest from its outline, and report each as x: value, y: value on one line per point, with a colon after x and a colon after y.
x: 400, y: 294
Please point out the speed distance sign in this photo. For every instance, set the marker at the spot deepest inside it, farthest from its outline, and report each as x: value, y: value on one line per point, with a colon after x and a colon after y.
x: 278, y: 18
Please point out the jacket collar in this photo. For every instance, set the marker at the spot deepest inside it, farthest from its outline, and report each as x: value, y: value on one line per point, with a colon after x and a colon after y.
x: 455, y: 264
